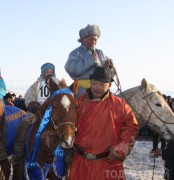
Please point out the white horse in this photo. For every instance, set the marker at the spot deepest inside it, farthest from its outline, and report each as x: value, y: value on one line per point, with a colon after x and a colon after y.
x: 150, y: 108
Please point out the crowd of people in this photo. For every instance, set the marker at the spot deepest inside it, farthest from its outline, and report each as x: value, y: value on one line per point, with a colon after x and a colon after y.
x: 170, y: 101
x: 11, y: 100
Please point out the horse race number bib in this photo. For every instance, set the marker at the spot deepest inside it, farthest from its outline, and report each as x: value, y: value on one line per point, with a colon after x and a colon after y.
x: 43, y: 92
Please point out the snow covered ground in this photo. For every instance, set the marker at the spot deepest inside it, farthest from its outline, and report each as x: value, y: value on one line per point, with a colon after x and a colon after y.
x: 139, y: 164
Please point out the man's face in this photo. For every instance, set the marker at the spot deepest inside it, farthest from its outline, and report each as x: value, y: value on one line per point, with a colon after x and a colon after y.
x: 90, y: 41
x: 99, y: 88
x: 48, y: 72
x: 13, y: 98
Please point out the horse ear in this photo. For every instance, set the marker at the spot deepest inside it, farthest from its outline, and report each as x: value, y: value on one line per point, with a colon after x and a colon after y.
x: 144, y: 84
x: 62, y: 84
x: 52, y: 86
x: 74, y: 87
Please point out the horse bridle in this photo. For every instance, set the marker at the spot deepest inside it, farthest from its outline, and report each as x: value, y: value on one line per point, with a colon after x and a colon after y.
x: 64, y: 91
x: 56, y: 127
x: 152, y: 111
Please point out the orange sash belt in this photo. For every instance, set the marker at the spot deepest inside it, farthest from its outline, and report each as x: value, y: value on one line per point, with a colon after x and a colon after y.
x: 84, y: 83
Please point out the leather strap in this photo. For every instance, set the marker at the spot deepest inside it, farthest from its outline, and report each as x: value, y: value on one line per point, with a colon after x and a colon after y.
x: 89, y: 156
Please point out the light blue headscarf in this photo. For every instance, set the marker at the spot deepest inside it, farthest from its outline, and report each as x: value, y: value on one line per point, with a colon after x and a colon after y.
x: 47, y: 66
x: 2, y: 88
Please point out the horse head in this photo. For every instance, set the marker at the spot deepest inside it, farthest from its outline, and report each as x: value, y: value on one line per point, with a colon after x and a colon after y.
x: 63, y: 112
x: 150, y: 108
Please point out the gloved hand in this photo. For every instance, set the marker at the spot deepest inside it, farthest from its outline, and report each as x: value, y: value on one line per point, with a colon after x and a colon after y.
x: 47, y: 78
x: 109, y: 64
x: 33, y: 107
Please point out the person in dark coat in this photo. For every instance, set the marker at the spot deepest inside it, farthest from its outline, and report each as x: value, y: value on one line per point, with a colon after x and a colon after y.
x: 20, y: 103
x: 167, y: 155
x: 8, y: 99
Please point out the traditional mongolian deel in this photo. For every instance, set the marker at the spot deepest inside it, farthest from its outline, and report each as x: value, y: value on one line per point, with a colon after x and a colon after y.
x: 13, y: 116
x: 99, y: 125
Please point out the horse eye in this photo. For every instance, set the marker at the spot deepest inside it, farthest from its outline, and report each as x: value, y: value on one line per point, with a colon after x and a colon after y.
x: 158, y: 104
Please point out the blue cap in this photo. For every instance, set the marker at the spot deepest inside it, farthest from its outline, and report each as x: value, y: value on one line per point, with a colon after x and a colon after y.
x: 47, y: 66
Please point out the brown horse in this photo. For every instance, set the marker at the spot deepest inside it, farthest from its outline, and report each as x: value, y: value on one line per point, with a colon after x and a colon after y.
x: 55, y: 126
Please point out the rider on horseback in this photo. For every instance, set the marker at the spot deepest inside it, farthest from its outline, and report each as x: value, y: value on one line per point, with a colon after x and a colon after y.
x: 34, y: 97
x: 83, y: 60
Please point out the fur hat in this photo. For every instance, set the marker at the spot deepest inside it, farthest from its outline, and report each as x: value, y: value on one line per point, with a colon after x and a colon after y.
x: 102, y: 74
x: 90, y: 30
x: 47, y: 66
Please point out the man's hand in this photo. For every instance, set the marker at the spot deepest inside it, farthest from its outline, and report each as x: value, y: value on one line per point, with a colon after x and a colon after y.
x: 95, y: 56
x: 156, y: 153
x: 107, y: 63
x: 112, y: 155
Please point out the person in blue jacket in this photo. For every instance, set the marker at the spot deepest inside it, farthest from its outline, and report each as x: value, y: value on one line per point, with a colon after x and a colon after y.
x: 83, y: 60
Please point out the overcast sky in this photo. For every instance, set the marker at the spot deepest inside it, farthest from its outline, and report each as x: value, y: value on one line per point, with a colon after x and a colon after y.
x: 137, y: 34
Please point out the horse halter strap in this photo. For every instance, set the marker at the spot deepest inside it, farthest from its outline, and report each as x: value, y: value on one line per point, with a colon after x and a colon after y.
x: 57, y: 127
x: 64, y: 91
x: 153, y: 112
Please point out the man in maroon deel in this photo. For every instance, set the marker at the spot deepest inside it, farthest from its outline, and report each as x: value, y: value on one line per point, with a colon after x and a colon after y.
x: 106, y: 132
